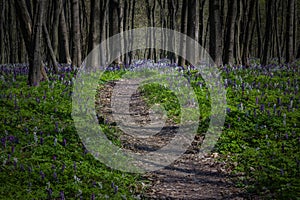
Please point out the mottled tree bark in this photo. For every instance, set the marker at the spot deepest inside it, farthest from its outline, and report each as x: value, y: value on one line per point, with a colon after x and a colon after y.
x: 35, y: 61
x: 289, y: 31
x: 65, y: 52
x: 52, y: 55
x: 268, y: 33
x: 183, y: 27
x: 76, y: 40
x: 215, y: 41
x: 229, y: 35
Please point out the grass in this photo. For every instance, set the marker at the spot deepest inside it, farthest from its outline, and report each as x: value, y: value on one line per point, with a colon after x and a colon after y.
x: 43, y: 157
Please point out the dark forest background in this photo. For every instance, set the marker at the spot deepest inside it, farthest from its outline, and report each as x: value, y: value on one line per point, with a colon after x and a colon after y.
x: 65, y: 31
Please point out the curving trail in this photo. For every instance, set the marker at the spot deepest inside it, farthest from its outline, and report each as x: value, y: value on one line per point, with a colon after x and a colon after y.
x: 188, y: 177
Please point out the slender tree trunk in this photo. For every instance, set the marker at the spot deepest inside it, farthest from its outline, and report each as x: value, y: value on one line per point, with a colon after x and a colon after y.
x: 258, y: 30
x: 201, y: 22
x: 52, y: 55
x: 289, y: 31
x: 215, y: 41
x: 277, y: 38
x: 64, y: 36
x: 57, y: 12
x: 181, y: 60
x: 229, y: 36
x: 35, y: 60
x: 94, y: 30
x: 172, y: 21
x: 268, y: 33
x: 76, y: 47
x: 26, y: 22
x: 191, y: 28
x: 245, y: 55
x: 2, y: 30
x: 237, y: 46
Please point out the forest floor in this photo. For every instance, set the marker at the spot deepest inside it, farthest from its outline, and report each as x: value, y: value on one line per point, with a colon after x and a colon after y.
x: 190, y: 176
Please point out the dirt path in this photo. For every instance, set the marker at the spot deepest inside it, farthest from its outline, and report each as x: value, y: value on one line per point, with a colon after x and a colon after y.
x: 190, y: 176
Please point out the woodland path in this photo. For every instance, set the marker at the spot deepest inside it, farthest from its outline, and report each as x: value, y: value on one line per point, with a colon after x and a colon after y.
x: 188, y: 177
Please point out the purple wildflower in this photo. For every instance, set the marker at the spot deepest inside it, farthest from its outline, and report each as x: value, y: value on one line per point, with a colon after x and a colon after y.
x: 62, y: 195
x: 41, y: 140
x: 116, y: 189
x: 3, y: 141
x: 228, y: 110
x: 94, y: 184
x: 63, y: 167
x: 64, y: 142
x: 262, y: 107
x: 49, y: 192
x: 55, y: 175
x: 42, y: 175
x: 93, y: 196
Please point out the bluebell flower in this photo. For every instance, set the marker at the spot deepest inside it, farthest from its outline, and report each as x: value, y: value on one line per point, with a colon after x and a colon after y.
x: 64, y: 142
x: 62, y: 195
x: 63, y: 167
x: 41, y: 140
x: 50, y: 192
x: 262, y: 107
x: 55, y: 175
x: 116, y: 189
x: 42, y: 175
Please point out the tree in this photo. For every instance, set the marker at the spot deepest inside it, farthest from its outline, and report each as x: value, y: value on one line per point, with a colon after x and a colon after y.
x: 229, y: 35
x: 289, y: 31
x: 35, y: 61
x: 191, y: 27
x: 268, y: 32
x: 183, y: 27
x: 76, y: 48
x: 65, y: 50
x: 215, y: 41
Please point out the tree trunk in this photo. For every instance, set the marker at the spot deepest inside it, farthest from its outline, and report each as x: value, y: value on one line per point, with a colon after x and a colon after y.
x: 64, y: 37
x: 215, y: 41
x: 114, y: 27
x: 35, y: 60
x: 94, y: 32
x: 76, y: 48
x: 181, y: 61
x: 26, y: 22
x: 289, y: 31
x: 245, y: 55
x: 229, y: 36
x: 268, y: 33
x: 57, y: 12
x: 52, y: 55
x: 191, y: 29
x: 258, y: 30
